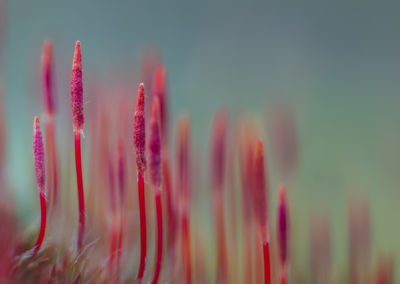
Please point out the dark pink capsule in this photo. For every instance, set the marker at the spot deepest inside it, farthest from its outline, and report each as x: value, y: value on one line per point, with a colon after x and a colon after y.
x: 155, y: 143
x: 160, y: 91
x: 38, y: 154
x: 283, y: 224
x: 139, y: 131
x: 77, y: 89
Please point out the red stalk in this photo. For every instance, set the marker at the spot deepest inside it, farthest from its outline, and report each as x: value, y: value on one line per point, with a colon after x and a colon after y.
x: 143, y: 237
x: 159, y: 241
x: 186, y: 247
x: 77, y: 121
x: 121, y: 184
x: 171, y: 212
x: 43, y: 217
x: 155, y: 176
x: 79, y: 180
x: 267, y: 266
x: 38, y: 154
x: 221, y: 245
x: 139, y: 137
x: 113, y: 233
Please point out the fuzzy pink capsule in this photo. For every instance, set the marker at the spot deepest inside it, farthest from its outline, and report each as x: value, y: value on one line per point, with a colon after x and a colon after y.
x: 218, y: 145
x: 260, y: 188
x: 77, y: 89
x: 155, y: 143
x: 160, y: 91
x: 283, y: 224
x: 139, y: 131
x: 47, y: 76
x: 38, y: 154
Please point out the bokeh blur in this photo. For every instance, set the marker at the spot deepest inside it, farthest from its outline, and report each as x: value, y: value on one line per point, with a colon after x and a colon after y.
x: 328, y: 71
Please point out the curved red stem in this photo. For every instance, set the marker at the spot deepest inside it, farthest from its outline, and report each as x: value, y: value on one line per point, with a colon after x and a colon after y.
x: 143, y: 237
x: 43, y: 217
x: 79, y: 180
x: 159, y: 240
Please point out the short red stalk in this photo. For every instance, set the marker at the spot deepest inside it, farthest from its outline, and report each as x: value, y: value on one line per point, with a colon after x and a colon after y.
x: 38, y: 154
x: 267, y: 266
x: 43, y: 217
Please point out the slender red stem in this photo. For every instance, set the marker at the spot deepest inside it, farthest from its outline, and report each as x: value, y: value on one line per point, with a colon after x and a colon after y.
x: 186, y: 247
x: 267, y: 266
x: 79, y: 180
x: 221, y: 245
x: 159, y: 240
x: 171, y: 214
x: 43, y: 217
x: 143, y: 237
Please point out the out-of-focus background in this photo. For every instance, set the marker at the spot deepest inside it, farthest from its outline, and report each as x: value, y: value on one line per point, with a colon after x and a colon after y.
x: 336, y: 62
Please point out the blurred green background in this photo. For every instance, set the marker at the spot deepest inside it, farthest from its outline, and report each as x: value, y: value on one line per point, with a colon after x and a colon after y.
x: 338, y: 62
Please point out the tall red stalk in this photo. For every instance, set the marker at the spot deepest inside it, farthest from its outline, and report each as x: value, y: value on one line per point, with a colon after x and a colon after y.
x: 49, y: 110
x: 38, y: 154
x: 139, y: 137
x: 283, y: 233
x: 183, y: 158
x: 218, y: 148
x: 260, y: 205
x: 155, y: 176
x: 78, y: 120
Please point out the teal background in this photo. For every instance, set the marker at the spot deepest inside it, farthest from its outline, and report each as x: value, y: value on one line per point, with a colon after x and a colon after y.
x: 338, y: 62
